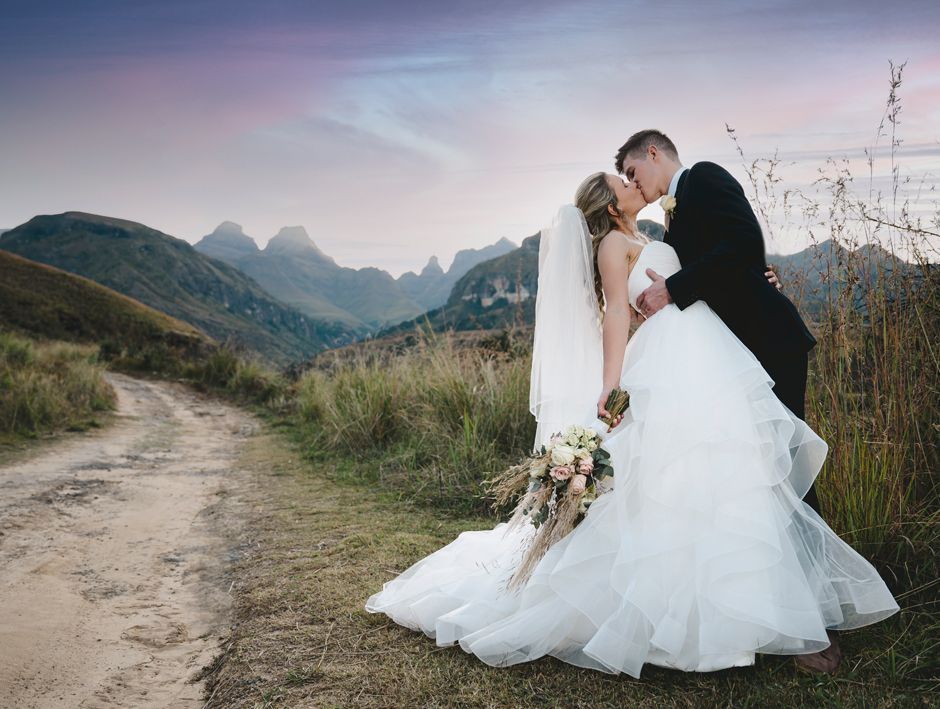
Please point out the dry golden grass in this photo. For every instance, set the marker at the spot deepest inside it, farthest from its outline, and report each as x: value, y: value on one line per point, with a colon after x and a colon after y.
x: 50, y: 386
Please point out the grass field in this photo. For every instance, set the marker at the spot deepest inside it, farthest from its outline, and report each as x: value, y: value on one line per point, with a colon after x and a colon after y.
x: 321, y: 543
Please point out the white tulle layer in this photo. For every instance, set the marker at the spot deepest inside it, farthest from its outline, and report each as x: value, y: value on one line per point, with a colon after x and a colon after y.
x: 701, y: 555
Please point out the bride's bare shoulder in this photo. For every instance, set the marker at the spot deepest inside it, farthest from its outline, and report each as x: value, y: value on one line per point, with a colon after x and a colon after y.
x: 618, y: 243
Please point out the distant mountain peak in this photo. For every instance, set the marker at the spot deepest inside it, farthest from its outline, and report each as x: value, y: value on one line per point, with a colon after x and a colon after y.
x: 227, y: 241
x: 465, y: 259
x: 296, y: 240
x: 228, y: 227
x: 433, y: 267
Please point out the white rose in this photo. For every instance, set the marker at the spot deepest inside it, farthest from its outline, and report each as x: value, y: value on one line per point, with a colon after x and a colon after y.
x: 563, y: 455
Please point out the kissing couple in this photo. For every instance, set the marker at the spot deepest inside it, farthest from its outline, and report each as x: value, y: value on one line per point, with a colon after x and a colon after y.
x: 707, y: 545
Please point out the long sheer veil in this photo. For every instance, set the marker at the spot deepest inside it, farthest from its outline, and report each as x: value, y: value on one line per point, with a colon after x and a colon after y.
x: 568, y: 352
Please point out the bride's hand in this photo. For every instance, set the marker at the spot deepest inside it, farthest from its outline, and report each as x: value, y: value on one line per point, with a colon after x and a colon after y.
x: 602, y: 409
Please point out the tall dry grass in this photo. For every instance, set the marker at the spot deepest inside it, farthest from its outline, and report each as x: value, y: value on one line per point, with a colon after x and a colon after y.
x: 429, y: 422
x: 229, y: 370
x: 874, y: 375
x: 50, y: 386
x: 873, y: 386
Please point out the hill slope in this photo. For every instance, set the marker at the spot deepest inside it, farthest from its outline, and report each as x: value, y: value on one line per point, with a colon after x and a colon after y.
x: 46, y: 302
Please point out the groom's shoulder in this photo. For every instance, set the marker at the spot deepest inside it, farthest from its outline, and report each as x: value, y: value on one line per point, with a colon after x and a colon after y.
x: 706, y: 169
x: 708, y: 176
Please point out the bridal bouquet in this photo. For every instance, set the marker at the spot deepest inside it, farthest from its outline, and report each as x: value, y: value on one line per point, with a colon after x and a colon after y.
x: 555, y: 486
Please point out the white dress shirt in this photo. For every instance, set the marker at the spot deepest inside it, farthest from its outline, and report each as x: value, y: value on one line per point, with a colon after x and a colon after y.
x: 673, y: 186
x: 674, y: 183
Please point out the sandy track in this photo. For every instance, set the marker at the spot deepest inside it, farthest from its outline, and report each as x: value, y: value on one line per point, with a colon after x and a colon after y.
x: 115, y: 554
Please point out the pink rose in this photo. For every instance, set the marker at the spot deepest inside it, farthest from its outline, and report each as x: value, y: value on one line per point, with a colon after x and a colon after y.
x: 578, y: 483
x: 586, y: 466
x: 561, y: 473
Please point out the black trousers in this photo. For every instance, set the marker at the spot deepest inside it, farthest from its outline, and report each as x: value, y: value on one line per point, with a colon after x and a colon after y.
x: 788, y: 371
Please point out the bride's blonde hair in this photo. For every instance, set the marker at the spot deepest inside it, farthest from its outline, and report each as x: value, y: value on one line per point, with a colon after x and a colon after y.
x: 592, y: 197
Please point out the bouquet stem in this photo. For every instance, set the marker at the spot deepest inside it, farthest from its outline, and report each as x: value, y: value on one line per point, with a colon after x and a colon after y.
x: 617, y: 402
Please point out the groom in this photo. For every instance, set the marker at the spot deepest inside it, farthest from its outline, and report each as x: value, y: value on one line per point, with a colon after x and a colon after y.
x: 710, y: 224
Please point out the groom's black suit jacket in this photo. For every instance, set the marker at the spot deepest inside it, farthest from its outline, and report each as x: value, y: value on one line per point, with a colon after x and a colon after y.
x: 721, y: 248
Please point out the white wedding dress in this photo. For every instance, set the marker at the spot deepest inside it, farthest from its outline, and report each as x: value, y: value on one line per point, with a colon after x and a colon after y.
x: 702, y: 553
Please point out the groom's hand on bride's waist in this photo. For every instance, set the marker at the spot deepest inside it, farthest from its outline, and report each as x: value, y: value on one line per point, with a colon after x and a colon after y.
x: 654, y: 298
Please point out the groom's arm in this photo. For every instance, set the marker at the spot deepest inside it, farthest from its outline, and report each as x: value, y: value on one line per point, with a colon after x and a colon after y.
x: 723, y: 217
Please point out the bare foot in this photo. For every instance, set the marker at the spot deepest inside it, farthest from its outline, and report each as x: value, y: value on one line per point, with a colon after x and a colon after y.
x: 826, y: 660
x: 834, y: 651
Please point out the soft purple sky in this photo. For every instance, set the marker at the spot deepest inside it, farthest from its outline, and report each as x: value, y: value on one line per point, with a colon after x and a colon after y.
x: 393, y: 131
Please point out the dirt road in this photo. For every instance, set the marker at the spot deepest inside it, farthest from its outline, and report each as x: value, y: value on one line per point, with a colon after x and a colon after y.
x: 115, y: 554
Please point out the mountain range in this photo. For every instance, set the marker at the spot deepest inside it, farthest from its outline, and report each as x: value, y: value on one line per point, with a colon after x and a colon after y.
x: 290, y: 300
x: 296, y: 271
x: 497, y: 292
x: 501, y: 292
x: 432, y: 286
x: 286, y: 301
x: 169, y: 275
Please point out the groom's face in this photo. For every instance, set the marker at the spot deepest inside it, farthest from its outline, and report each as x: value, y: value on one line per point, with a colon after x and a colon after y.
x: 642, y: 172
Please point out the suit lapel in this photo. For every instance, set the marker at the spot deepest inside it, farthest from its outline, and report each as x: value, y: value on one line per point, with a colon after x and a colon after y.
x: 676, y: 223
x: 679, y: 194
x: 669, y: 236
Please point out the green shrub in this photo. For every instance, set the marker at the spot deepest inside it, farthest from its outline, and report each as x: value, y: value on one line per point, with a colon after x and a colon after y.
x: 49, y: 386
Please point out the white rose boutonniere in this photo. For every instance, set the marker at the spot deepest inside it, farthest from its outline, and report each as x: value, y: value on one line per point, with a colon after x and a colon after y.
x: 668, y: 203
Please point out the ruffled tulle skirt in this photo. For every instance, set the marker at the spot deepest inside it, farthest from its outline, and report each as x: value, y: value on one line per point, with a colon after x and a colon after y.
x: 702, y: 553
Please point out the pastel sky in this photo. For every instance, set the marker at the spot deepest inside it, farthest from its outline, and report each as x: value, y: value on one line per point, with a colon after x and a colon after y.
x: 397, y: 130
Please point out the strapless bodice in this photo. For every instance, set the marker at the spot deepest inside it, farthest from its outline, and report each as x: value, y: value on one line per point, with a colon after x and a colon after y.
x: 659, y: 256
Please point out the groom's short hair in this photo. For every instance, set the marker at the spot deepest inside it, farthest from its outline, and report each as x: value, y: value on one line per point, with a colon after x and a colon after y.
x: 637, y: 144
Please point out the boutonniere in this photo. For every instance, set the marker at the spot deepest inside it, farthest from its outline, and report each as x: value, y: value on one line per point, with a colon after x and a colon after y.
x: 668, y: 203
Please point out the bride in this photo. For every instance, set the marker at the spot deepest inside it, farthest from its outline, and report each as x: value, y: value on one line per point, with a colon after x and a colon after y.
x: 701, y: 552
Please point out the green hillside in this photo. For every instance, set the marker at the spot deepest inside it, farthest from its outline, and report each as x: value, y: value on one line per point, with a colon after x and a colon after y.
x: 48, y: 303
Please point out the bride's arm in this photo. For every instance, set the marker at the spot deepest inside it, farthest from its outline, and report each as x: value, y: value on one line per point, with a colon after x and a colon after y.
x: 612, y: 264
